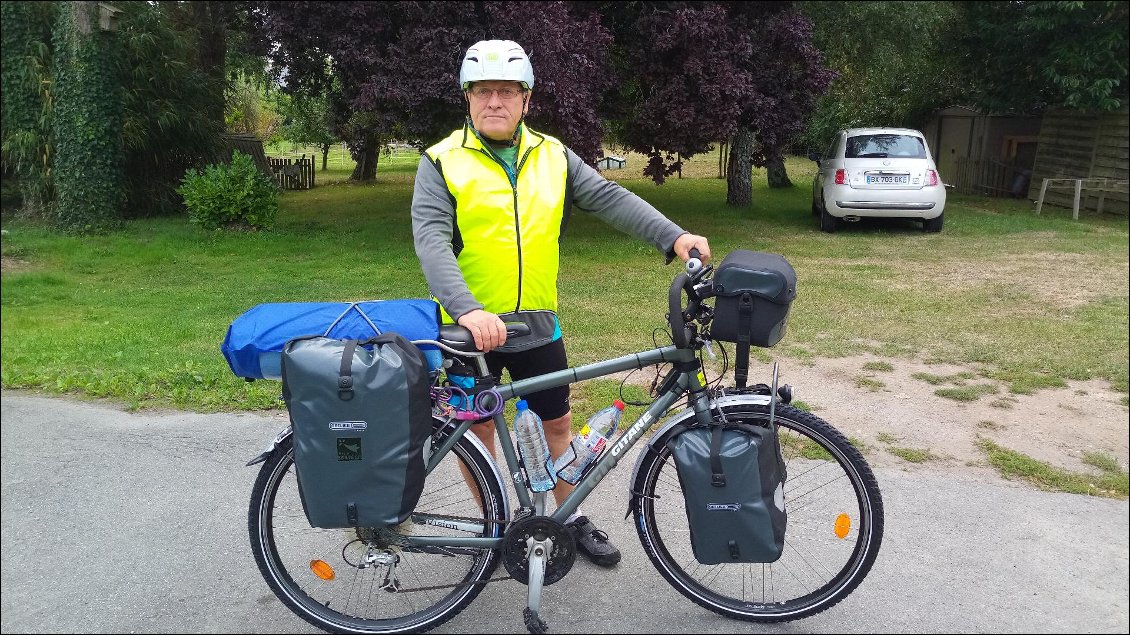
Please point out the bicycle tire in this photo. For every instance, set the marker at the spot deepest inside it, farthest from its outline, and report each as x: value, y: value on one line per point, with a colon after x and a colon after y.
x: 285, y: 549
x: 827, y: 478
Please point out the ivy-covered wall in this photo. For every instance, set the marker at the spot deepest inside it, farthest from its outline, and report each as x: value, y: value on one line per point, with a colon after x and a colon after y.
x: 88, y: 172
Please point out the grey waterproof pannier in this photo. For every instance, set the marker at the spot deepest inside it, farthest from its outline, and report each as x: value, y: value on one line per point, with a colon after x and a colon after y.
x: 360, y: 412
x: 733, y: 479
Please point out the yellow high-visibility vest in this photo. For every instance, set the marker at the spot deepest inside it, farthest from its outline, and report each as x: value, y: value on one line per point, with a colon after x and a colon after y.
x: 509, y: 230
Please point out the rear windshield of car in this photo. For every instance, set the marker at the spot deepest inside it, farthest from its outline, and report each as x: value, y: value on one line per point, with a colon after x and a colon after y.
x: 880, y: 146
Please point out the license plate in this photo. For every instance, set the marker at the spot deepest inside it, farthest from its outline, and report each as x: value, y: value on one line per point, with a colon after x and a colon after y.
x: 888, y: 179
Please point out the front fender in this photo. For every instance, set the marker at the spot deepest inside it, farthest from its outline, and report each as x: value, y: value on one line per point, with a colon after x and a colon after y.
x: 663, y: 434
x: 270, y: 449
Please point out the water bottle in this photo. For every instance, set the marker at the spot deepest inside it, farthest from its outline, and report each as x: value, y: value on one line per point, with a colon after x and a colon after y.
x: 589, y: 442
x: 533, y: 447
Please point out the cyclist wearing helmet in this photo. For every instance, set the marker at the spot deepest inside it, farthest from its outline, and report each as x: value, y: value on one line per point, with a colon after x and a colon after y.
x: 490, y: 204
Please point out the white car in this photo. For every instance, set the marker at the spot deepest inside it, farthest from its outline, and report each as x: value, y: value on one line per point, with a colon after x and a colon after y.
x: 877, y: 173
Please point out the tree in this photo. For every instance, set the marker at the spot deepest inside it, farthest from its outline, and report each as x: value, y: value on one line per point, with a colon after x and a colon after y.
x: 894, y: 63
x: 26, y: 97
x: 788, y: 76
x: 569, y: 50
x: 397, y: 65
x: 1028, y: 56
x: 169, y: 125
x: 339, y: 42
x: 681, y: 79
x: 691, y: 74
x: 306, y: 119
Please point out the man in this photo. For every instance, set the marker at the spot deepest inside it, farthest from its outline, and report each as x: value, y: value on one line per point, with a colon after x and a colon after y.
x: 490, y: 204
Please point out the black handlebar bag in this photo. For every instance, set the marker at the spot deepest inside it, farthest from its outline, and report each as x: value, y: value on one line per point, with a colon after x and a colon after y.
x: 733, y: 489
x: 754, y: 291
x: 360, y: 413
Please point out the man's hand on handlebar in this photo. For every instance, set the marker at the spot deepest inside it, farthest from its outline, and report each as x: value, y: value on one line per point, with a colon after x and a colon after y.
x: 487, y: 329
x: 686, y: 242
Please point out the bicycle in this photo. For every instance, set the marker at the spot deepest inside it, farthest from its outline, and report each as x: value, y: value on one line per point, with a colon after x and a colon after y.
x: 420, y: 574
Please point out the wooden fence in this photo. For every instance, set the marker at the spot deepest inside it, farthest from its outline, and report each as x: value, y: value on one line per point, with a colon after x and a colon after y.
x: 989, y: 177
x: 1082, y: 145
x: 293, y: 174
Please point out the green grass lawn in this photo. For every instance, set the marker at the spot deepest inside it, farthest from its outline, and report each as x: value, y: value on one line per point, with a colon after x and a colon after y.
x: 138, y: 316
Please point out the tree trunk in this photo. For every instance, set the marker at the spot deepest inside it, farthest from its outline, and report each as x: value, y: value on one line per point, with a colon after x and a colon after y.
x: 776, y: 172
x: 366, y: 157
x: 325, y: 155
x: 739, y: 174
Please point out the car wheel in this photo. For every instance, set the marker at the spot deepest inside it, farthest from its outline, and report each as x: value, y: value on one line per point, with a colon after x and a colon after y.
x: 828, y: 222
x: 815, y: 208
x: 933, y: 225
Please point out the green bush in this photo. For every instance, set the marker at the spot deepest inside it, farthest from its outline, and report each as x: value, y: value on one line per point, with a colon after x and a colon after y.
x: 232, y: 195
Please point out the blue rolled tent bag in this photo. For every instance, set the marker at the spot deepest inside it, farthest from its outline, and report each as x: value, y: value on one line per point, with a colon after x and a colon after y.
x: 255, y: 340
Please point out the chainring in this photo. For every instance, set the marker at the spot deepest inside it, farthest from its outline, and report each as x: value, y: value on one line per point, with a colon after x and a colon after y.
x: 515, y: 548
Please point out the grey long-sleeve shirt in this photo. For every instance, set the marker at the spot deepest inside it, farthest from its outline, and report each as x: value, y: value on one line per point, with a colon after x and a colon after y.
x: 433, y: 218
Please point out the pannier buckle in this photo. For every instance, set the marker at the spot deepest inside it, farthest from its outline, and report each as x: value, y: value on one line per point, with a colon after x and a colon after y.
x: 345, y: 388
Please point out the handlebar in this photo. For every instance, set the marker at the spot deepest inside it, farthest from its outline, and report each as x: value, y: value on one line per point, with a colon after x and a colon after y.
x: 677, y: 315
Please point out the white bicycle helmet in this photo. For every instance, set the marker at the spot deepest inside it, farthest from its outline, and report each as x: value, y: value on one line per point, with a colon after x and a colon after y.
x: 496, y: 60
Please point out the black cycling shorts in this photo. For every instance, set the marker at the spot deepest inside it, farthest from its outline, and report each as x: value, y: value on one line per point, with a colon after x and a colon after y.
x: 548, y: 404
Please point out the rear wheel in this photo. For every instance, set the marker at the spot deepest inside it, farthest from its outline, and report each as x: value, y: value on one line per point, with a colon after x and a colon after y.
x: 933, y: 225
x: 828, y: 223
x: 833, y: 534
x: 316, y: 573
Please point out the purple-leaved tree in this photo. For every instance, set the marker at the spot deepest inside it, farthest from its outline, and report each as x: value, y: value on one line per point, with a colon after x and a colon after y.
x: 397, y: 66
x: 692, y: 74
x: 788, y: 75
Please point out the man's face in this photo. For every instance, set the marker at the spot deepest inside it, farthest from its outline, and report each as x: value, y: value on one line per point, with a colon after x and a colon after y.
x: 497, y: 107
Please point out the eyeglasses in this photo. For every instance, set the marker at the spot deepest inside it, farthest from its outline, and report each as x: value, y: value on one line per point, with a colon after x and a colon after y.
x: 506, y: 94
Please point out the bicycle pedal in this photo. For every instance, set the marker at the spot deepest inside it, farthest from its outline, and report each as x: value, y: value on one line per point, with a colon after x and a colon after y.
x: 534, y: 624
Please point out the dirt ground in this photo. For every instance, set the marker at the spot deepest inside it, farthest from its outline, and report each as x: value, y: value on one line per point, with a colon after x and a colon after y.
x: 1057, y: 426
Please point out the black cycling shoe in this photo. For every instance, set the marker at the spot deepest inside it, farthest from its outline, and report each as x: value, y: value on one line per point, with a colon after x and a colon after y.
x: 593, y: 542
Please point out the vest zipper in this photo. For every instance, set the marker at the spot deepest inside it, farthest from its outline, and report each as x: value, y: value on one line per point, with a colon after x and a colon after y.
x: 517, y: 226
x: 513, y: 188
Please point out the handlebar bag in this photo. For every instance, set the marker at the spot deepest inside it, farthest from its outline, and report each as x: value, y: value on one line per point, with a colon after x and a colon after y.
x: 754, y: 290
x: 733, y: 489
x: 255, y: 340
x: 360, y: 414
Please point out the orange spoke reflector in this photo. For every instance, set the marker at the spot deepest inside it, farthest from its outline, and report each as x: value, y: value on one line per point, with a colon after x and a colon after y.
x: 843, y: 525
x: 323, y: 570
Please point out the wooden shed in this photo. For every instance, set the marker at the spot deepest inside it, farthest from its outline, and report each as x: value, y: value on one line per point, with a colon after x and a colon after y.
x: 1084, y: 145
x: 981, y: 153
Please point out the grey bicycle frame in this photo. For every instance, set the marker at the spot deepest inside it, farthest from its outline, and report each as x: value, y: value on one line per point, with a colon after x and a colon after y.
x: 684, y: 381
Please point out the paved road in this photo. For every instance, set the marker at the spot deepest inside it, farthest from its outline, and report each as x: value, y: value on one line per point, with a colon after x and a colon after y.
x: 116, y: 522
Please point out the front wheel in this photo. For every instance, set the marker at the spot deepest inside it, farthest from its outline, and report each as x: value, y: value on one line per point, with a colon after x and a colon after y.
x: 359, y: 580
x: 833, y: 533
